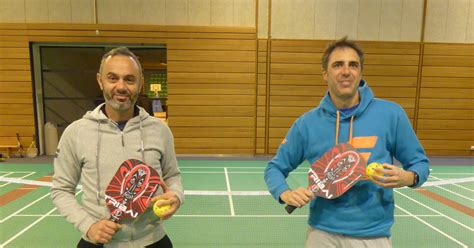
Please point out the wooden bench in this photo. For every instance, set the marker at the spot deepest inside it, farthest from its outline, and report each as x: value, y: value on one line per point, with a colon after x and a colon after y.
x: 8, y: 143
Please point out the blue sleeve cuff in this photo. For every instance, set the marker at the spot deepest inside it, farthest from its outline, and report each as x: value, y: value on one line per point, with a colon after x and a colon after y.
x: 416, y: 180
x: 276, y: 194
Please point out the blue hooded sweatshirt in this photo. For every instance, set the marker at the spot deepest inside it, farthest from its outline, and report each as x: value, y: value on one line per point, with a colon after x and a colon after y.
x: 381, y: 131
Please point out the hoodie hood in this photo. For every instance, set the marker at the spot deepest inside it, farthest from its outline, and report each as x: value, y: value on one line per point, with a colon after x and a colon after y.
x: 99, y: 116
x: 366, y: 96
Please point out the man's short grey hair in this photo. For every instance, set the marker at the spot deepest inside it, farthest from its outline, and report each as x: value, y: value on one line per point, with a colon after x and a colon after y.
x: 124, y: 51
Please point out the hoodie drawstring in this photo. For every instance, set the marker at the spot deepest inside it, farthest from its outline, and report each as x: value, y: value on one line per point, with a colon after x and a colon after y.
x: 142, y: 146
x: 338, y: 119
x: 337, y: 126
x: 97, y: 155
x: 99, y: 134
x: 350, y: 130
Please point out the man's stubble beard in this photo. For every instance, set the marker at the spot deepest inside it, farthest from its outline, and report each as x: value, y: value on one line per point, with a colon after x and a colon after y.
x: 120, y: 106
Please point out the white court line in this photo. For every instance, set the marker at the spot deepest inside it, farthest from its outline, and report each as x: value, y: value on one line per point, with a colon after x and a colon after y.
x: 432, y: 227
x: 23, y: 208
x: 7, y: 174
x: 243, y: 215
x: 452, y: 173
x: 217, y: 193
x: 221, y: 167
x: 197, y: 192
x: 25, y: 181
x: 454, y: 193
x: 201, y: 172
x: 304, y: 169
x: 18, y: 171
x: 419, y: 215
x: 449, y: 181
x: 233, y: 172
x: 27, y: 228
x: 229, y: 192
x: 238, y: 167
x: 27, y: 175
x: 457, y: 185
x: 34, y: 223
x: 230, y: 172
x: 436, y: 211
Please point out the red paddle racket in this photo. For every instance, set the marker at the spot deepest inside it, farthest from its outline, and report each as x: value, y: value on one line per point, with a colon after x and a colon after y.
x: 334, y: 173
x: 130, y: 190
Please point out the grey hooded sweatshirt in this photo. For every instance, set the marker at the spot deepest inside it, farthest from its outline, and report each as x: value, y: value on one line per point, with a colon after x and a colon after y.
x: 90, y: 151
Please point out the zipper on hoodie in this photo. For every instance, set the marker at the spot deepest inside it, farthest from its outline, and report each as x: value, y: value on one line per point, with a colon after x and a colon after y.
x: 121, y: 132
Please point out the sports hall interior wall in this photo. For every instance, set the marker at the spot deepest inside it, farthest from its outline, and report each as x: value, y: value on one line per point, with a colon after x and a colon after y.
x: 232, y: 93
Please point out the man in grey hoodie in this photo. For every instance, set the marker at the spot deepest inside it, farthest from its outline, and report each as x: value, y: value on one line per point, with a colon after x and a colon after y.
x: 92, y: 148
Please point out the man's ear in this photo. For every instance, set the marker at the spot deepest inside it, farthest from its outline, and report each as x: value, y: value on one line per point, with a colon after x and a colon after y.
x: 325, y: 75
x: 99, y: 81
x: 142, y: 84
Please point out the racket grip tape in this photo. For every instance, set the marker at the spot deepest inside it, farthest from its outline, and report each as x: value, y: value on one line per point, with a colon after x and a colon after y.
x: 289, y: 209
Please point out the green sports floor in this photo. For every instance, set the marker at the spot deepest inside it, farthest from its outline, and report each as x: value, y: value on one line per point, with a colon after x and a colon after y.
x: 227, y: 206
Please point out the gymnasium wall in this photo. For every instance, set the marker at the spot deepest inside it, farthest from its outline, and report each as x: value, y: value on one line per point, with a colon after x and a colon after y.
x: 212, y: 92
x: 446, y: 101
x: 16, y: 98
x: 375, y: 20
x: 434, y: 83
x: 296, y: 83
x: 231, y: 92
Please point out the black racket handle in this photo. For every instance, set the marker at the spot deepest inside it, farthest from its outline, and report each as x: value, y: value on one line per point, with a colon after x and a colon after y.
x: 289, y: 209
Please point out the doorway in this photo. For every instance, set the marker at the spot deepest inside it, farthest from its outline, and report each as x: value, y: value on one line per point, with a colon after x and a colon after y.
x: 65, y: 86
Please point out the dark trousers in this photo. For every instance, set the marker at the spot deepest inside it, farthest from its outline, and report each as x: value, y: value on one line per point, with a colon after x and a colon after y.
x: 165, y: 242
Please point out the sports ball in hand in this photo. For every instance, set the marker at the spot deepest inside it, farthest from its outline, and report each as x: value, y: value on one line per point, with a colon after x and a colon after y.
x: 369, y: 171
x: 160, y: 210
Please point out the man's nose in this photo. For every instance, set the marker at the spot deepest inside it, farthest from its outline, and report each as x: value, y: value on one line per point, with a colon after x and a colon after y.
x: 121, y: 84
x: 345, y: 69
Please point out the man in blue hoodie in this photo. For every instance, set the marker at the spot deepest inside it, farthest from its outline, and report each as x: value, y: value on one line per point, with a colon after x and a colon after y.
x: 378, y: 129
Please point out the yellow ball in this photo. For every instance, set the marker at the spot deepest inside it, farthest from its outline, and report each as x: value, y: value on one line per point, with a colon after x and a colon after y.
x: 369, y: 171
x: 160, y: 210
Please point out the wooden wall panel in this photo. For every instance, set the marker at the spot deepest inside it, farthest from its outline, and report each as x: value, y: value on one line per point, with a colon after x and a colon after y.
x: 296, y: 85
x: 212, y: 79
x: 262, y: 92
x: 213, y: 95
x: 16, y: 94
x: 446, y: 112
x: 231, y: 93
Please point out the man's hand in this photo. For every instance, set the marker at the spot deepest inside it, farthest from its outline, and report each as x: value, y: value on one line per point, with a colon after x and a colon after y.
x: 393, y: 177
x: 102, y: 231
x: 169, y: 198
x: 298, y: 197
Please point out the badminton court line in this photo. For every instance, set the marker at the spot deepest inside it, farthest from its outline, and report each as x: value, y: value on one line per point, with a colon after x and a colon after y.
x: 7, y: 174
x: 197, y: 192
x: 449, y: 181
x: 436, y: 211
x: 432, y: 227
x: 457, y: 185
x: 27, y: 175
x: 23, y: 208
x: 34, y: 223
x: 27, y: 228
x: 454, y: 193
x: 229, y: 192
x: 243, y: 215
